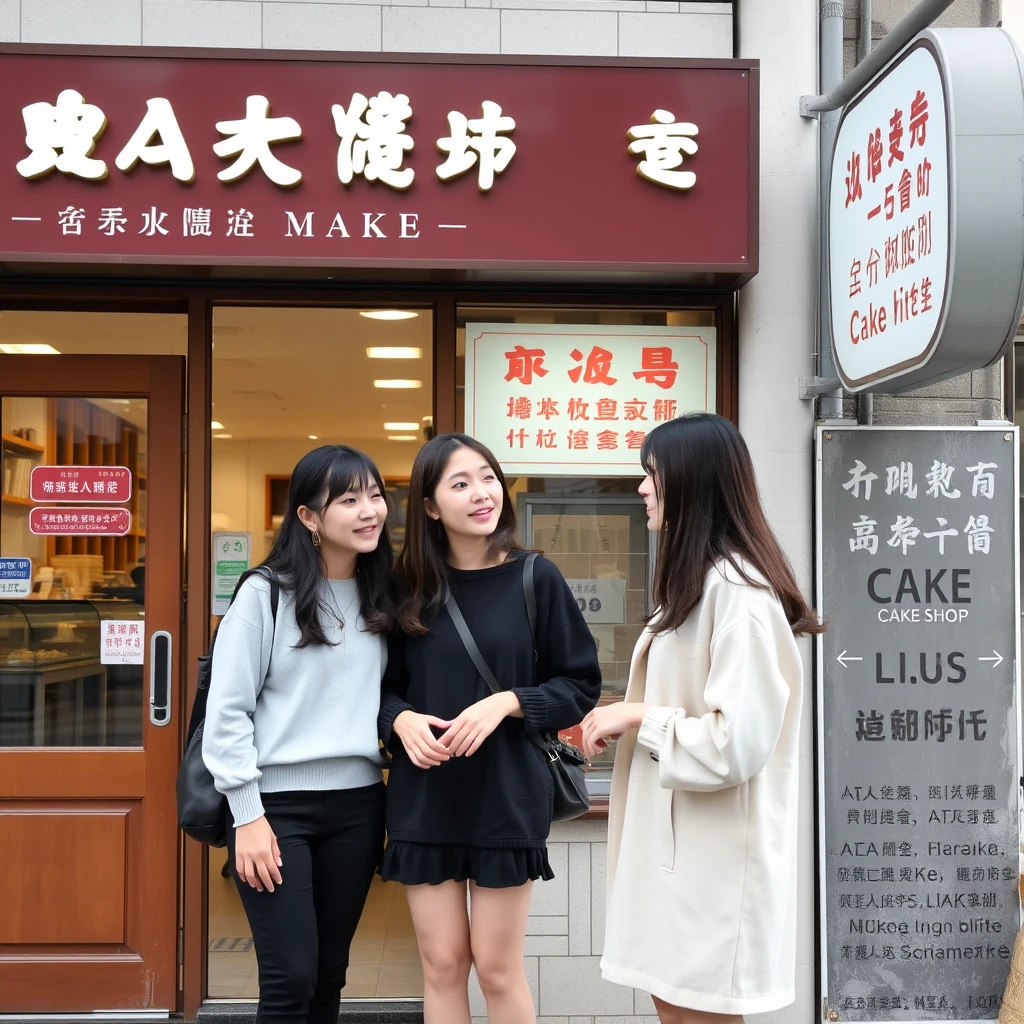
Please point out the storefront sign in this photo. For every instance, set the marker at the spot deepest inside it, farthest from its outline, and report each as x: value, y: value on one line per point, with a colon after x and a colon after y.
x: 123, y: 642
x: 574, y: 400
x: 79, y: 522
x: 379, y: 162
x: 96, y: 484
x: 15, y: 577
x: 231, y: 553
x: 918, y: 720
x: 925, y: 251
x: 602, y: 602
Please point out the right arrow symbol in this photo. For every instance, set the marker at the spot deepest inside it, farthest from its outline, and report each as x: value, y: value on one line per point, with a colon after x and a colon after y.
x: 998, y: 659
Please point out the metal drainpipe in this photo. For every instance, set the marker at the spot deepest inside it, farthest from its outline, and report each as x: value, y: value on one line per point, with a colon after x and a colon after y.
x: 830, y: 73
x: 865, y: 400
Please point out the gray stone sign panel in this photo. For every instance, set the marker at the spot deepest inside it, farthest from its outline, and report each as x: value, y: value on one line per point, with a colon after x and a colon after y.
x: 918, y: 720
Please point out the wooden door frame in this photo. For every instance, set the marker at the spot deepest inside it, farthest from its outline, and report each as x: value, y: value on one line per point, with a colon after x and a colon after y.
x: 198, y: 301
x: 22, y: 774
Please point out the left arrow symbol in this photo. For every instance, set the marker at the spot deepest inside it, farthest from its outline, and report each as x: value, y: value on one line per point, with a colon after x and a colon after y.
x: 844, y: 658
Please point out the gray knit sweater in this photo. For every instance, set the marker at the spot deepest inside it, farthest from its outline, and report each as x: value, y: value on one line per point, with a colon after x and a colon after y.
x: 281, y: 719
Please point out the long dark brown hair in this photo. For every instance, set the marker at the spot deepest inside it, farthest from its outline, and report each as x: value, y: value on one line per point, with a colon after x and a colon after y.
x: 421, y: 575
x: 711, y: 511
x: 320, y: 477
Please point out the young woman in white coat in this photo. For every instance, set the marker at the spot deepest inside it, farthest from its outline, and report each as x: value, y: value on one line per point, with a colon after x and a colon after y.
x: 703, y: 815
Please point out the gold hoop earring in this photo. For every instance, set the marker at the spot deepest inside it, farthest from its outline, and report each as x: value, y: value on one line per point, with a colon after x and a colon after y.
x: 314, y: 534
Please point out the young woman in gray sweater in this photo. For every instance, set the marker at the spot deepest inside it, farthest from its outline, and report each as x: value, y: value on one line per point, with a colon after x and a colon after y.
x: 291, y: 732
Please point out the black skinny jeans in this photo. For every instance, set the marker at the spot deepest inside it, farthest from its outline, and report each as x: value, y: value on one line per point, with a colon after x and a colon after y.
x: 331, y: 844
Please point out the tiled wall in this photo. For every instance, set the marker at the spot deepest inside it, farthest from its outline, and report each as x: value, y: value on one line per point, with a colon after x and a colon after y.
x: 650, y: 28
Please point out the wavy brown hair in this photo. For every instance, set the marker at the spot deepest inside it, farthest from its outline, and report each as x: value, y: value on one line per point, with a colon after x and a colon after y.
x: 711, y: 511
x: 421, y: 575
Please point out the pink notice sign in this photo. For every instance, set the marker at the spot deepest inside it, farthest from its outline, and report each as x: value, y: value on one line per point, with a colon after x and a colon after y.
x: 108, y: 484
x: 80, y: 522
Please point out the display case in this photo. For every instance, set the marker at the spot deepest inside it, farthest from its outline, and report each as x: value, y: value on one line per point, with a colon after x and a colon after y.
x: 45, y: 636
x: 52, y: 685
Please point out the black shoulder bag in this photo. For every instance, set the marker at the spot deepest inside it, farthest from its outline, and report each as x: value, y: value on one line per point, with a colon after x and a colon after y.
x: 202, y: 810
x: 564, y: 761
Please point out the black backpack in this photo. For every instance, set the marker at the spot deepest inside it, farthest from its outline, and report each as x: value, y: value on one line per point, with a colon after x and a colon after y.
x: 202, y: 810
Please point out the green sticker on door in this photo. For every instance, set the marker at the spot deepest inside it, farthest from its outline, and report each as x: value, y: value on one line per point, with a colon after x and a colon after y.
x: 231, y: 553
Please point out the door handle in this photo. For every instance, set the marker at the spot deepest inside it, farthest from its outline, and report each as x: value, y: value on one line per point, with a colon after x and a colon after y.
x: 160, y: 678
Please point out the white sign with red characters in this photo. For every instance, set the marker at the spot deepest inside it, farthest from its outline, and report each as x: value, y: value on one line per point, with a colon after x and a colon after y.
x: 123, y: 642
x: 579, y: 400
x: 889, y: 220
x: 925, y: 240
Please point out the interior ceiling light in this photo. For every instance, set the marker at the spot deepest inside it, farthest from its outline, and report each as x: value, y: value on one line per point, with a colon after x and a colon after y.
x: 401, y: 426
x: 389, y: 314
x: 216, y: 425
x: 29, y: 350
x: 223, y: 437
x: 398, y: 383
x: 314, y: 437
x: 402, y: 437
x: 393, y: 352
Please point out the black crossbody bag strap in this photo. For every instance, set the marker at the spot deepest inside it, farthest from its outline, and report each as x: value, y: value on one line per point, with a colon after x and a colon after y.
x: 473, y: 650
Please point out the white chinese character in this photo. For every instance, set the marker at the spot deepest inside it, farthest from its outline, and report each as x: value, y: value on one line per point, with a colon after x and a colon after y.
x: 374, y: 145
x: 941, y: 534
x: 984, y: 483
x: 979, y: 535
x: 99, y: 487
x: 866, y: 539
x: 903, y: 533
x: 939, y: 478
x: 70, y: 220
x: 72, y: 487
x: 153, y: 222
x: 240, y: 224
x: 62, y: 487
x: 71, y: 126
x: 112, y: 219
x: 901, y: 480
x: 662, y: 144
x: 48, y: 487
x: 172, y: 148
x: 250, y: 139
x: 196, y: 221
x: 857, y: 477
x: 477, y: 139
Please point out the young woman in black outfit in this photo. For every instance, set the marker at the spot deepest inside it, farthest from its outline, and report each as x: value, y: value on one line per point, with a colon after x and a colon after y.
x: 469, y: 796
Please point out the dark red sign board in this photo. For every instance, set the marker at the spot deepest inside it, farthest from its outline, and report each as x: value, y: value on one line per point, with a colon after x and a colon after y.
x: 79, y: 522
x: 109, y: 484
x: 572, y: 196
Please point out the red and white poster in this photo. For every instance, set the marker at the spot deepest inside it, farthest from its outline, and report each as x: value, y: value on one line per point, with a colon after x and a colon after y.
x: 579, y: 400
x: 79, y: 522
x: 122, y: 642
x: 889, y: 221
x: 107, y: 484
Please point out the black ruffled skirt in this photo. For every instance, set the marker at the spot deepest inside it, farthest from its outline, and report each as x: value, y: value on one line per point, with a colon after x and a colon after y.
x: 431, y: 864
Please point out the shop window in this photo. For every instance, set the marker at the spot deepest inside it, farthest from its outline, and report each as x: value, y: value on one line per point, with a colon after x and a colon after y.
x: 73, y: 536
x: 566, y: 402
x: 284, y: 382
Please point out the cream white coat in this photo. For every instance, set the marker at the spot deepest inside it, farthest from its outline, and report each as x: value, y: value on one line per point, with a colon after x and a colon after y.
x: 703, y: 813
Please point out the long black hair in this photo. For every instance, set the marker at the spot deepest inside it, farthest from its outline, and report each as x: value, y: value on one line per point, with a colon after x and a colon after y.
x: 422, y: 573
x: 711, y: 510
x: 323, y: 475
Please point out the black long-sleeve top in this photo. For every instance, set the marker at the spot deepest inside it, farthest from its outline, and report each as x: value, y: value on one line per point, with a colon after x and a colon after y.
x: 500, y: 797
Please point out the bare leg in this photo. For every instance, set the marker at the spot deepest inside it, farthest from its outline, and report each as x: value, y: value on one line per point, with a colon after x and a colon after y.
x: 442, y: 933
x: 669, y: 1014
x: 497, y: 930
